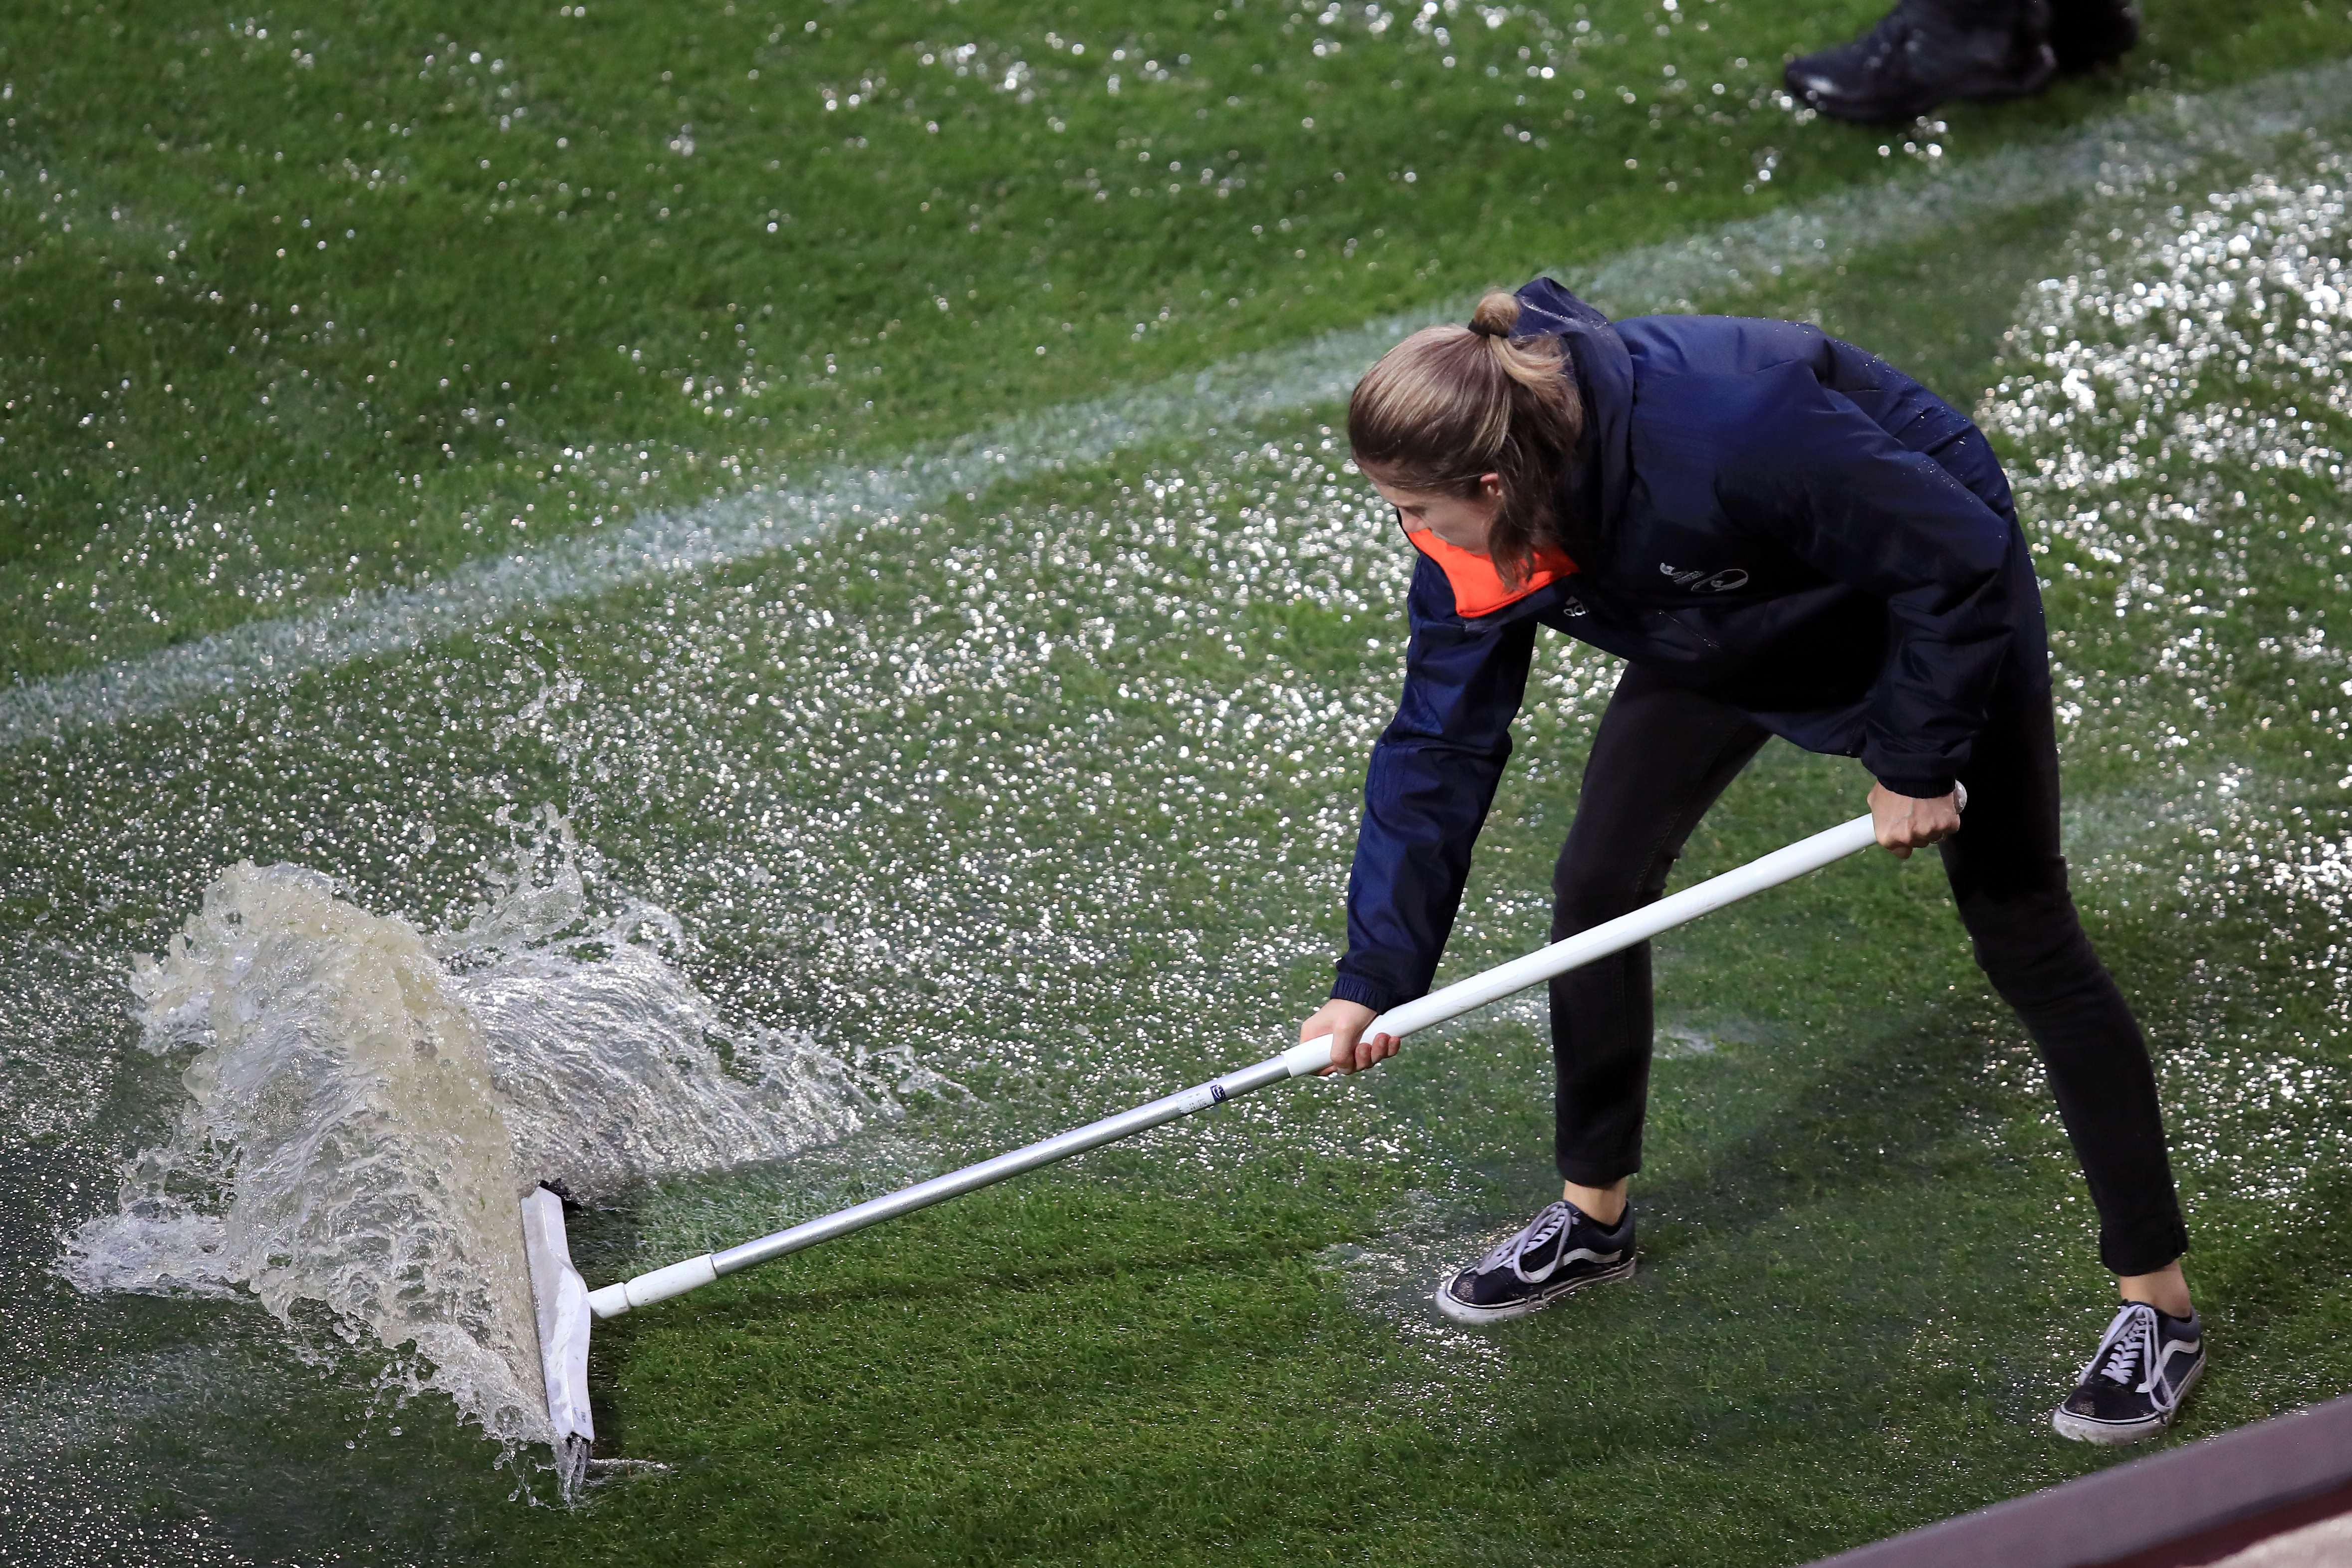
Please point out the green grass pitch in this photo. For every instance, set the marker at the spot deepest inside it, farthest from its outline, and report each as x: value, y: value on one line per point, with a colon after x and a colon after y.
x: 1053, y: 782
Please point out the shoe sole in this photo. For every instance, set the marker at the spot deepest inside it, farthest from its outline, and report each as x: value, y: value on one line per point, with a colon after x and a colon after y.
x: 1478, y: 1317
x: 2116, y: 1434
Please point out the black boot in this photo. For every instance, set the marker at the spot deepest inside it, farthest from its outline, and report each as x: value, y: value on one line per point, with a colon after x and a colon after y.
x: 2087, y: 33
x: 1926, y: 51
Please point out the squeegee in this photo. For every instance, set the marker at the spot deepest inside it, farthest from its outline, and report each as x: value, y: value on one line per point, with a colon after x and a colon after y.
x: 566, y: 1306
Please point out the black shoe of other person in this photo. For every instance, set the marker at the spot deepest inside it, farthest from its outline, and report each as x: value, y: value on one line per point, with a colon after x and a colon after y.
x: 2087, y: 33
x: 1559, y: 1251
x: 1926, y: 51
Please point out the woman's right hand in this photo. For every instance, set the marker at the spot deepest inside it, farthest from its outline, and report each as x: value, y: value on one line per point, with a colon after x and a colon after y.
x: 1344, y: 1021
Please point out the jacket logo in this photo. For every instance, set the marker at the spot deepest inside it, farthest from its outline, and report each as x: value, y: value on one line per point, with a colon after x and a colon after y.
x: 1703, y: 581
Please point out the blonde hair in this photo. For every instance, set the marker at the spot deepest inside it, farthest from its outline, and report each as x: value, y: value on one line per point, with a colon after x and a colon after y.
x: 1450, y: 404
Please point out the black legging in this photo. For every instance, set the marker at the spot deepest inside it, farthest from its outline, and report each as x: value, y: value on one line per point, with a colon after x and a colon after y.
x: 1662, y: 756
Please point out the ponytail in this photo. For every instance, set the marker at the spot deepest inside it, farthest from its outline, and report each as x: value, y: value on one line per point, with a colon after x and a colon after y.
x: 1451, y: 403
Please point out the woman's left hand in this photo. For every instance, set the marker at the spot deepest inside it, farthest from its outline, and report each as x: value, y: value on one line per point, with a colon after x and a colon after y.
x: 1906, y: 824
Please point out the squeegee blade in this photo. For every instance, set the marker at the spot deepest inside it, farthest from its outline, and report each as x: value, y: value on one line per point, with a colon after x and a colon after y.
x: 561, y: 1298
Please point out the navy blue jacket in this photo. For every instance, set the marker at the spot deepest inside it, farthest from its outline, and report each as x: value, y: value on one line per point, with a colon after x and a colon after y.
x: 1772, y: 517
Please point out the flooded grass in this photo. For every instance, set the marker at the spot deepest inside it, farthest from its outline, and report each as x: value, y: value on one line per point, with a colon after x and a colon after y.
x: 995, y: 810
x: 346, y: 299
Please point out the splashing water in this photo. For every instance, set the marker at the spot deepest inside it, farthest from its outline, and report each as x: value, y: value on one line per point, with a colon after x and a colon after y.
x: 367, y: 1103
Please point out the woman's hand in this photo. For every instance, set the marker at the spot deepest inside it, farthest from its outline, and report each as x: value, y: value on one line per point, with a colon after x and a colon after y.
x: 1906, y: 824
x: 1344, y: 1022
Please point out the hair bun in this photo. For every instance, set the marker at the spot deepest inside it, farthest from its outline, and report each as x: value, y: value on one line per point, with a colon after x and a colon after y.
x: 1496, y: 314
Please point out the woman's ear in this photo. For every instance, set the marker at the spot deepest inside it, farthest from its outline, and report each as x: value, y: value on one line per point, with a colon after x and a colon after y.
x: 1490, y: 486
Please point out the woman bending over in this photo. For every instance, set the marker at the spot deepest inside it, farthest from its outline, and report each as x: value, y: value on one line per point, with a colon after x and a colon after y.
x: 1781, y: 535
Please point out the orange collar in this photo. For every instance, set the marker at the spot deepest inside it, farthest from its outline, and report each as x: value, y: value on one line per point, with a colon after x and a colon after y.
x: 1478, y: 588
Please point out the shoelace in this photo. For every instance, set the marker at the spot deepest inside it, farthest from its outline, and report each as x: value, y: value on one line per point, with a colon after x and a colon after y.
x: 1544, y: 1228
x: 2128, y: 1345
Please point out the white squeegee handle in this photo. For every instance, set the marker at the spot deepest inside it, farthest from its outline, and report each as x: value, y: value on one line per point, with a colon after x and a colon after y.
x: 1308, y: 1057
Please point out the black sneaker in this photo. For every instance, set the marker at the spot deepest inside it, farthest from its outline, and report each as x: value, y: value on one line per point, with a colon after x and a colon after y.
x: 1923, y: 52
x: 2087, y: 33
x: 2133, y: 1387
x: 1560, y: 1250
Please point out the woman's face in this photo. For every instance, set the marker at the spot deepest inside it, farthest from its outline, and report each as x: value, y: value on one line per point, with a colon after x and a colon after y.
x: 1460, y: 520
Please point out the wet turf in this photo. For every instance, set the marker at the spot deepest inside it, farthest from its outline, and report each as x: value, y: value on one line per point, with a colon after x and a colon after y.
x: 1054, y: 786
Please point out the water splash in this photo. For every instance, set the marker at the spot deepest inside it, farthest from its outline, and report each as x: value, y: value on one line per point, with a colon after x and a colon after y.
x: 367, y: 1103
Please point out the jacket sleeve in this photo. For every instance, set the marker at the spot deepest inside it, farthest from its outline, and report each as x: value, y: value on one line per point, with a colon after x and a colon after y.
x: 1866, y: 511
x: 1426, y: 794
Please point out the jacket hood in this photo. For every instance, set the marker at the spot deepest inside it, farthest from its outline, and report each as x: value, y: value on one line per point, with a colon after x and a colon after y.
x: 1605, y: 373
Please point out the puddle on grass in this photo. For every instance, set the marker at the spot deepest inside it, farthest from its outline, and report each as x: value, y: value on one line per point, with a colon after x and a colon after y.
x: 2183, y: 400
x: 1055, y: 799
x: 936, y: 837
x: 941, y: 823
x: 1391, y: 1278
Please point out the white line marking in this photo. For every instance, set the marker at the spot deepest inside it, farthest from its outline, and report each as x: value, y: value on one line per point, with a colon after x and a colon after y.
x: 2158, y: 139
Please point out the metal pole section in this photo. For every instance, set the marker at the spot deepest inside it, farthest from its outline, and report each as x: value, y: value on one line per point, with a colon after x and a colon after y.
x: 679, y: 1278
x: 1768, y: 871
x: 1060, y: 1147
x: 1300, y: 1060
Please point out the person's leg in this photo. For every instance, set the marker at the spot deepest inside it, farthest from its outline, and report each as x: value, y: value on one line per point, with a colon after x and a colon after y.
x: 1660, y: 758
x: 2010, y: 880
